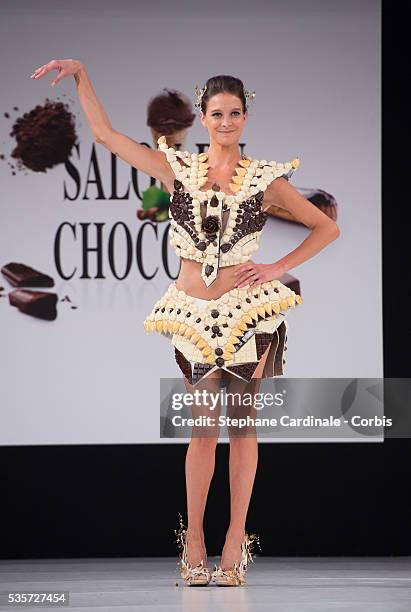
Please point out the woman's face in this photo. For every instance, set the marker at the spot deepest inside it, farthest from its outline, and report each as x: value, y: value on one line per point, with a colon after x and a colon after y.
x: 224, y: 119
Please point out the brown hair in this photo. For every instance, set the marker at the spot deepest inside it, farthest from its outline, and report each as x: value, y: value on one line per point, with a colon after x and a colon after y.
x: 223, y: 83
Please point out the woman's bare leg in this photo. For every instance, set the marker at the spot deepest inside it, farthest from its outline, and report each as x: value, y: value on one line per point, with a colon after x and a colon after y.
x: 199, y: 469
x: 242, y: 467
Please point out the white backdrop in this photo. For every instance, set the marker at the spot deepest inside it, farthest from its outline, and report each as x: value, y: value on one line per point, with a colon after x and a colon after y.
x: 92, y: 376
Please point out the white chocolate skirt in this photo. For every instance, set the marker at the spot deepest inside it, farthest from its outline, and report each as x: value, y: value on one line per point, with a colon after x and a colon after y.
x: 231, y: 332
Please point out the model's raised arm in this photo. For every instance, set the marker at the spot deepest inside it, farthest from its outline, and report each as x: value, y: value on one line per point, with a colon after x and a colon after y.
x: 151, y: 162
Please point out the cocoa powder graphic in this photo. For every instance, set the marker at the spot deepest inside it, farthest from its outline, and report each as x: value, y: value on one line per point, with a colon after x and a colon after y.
x: 45, y: 136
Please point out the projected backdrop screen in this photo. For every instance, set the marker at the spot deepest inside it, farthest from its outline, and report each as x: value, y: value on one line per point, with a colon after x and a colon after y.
x: 91, y: 375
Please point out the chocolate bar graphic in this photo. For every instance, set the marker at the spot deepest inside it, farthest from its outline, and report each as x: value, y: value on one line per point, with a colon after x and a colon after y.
x: 322, y: 199
x: 40, y: 304
x: 20, y: 275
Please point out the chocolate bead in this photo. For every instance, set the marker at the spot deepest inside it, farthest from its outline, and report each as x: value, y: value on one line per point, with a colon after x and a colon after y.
x: 215, y: 187
x: 208, y: 269
x: 215, y: 329
x: 219, y: 361
x: 198, y: 320
x: 214, y: 200
x: 214, y: 313
x: 201, y: 246
x: 178, y: 185
x: 225, y: 247
x: 219, y: 351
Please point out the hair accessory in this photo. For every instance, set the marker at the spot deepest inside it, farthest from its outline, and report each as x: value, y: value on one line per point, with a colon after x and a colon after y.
x: 199, y: 93
x: 249, y: 95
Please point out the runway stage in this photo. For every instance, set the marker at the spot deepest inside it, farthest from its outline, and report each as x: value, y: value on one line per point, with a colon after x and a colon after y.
x: 297, y: 584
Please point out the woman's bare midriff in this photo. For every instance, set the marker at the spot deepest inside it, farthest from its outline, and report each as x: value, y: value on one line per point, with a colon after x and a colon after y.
x: 191, y: 281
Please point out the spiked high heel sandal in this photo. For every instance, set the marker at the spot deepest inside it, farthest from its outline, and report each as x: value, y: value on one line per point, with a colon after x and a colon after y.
x: 192, y: 576
x: 235, y: 576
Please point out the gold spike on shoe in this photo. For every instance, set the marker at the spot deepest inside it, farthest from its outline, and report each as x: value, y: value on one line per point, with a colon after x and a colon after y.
x: 192, y: 576
x: 235, y: 576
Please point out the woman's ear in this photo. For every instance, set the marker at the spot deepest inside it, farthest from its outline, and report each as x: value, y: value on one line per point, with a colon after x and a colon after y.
x: 202, y: 117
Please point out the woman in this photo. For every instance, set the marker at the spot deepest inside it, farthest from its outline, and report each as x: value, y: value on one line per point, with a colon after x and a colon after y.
x: 217, y: 214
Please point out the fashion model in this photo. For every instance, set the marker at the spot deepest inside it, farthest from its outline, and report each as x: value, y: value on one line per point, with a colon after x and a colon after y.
x: 225, y: 314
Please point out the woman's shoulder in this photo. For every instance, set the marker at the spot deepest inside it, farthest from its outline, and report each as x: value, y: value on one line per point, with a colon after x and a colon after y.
x: 173, y: 154
x: 185, y: 165
x: 279, y: 163
x: 187, y: 157
x: 269, y: 170
x: 255, y: 174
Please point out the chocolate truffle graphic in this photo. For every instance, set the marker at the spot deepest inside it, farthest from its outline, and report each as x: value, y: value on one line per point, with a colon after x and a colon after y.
x: 169, y: 114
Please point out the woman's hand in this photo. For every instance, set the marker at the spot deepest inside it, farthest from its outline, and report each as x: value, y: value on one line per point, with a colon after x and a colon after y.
x: 65, y: 68
x: 253, y: 274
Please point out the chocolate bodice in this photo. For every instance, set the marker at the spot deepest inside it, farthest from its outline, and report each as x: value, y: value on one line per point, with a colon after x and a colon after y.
x: 212, y: 227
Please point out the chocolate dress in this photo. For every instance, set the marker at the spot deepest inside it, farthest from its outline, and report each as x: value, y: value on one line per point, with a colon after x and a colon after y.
x: 218, y: 230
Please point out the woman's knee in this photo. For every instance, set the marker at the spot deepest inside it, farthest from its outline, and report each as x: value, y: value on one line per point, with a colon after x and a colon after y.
x: 239, y: 440
x: 205, y: 443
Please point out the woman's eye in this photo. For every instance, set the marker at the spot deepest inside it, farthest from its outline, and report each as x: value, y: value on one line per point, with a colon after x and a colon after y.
x: 218, y: 114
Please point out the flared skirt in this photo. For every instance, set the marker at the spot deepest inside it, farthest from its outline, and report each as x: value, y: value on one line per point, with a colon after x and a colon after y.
x: 231, y: 332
